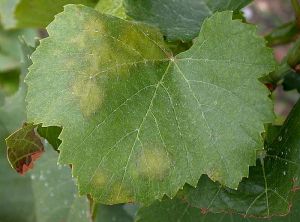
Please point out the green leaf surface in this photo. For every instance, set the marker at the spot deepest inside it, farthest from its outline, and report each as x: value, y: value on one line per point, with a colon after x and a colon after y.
x: 23, y: 148
x: 39, y: 13
x: 177, y: 19
x: 139, y: 123
x: 111, y: 7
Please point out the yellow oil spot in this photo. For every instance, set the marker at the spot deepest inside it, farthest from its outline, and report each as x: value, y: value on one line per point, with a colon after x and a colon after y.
x: 99, y: 179
x: 215, y: 175
x: 69, y: 63
x: 90, y: 94
x: 94, y: 27
x: 153, y: 163
x: 78, y: 41
x: 119, y: 194
x: 148, y: 48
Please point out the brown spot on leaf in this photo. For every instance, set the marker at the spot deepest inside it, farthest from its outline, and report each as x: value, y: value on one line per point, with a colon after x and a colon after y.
x: 204, y: 210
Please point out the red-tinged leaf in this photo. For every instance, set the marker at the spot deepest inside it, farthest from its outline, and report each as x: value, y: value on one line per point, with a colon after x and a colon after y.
x: 23, y: 148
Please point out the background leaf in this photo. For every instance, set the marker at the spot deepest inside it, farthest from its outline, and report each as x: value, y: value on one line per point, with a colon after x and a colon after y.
x: 51, y: 134
x: 34, y: 13
x: 177, y: 19
x: 7, y: 8
x: 114, y: 213
x: 177, y: 210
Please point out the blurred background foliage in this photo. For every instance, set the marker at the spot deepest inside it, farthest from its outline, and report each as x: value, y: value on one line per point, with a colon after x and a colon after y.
x: 275, y: 20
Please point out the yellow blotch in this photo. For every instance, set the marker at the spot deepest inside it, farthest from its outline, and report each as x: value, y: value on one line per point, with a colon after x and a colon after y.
x: 141, y: 43
x: 90, y: 95
x: 99, y: 179
x: 94, y: 27
x: 153, y: 163
x: 215, y: 175
x: 78, y: 41
x: 119, y: 194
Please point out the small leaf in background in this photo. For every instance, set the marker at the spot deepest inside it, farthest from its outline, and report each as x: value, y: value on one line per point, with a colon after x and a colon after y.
x: 144, y: 123
x: 51, y: 134
x: 177, y: 19
x: 23, y: 148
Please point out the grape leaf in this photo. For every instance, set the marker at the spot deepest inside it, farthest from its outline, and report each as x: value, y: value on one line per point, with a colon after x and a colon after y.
x: 139, y: 123
x: 111, y: 7
x: 177, y: 19
x: 177, y: 210
x: 170, y: 210
x: 23, y: 148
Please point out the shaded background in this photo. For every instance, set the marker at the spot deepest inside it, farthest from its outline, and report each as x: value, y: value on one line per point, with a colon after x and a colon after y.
x: 267, y: 15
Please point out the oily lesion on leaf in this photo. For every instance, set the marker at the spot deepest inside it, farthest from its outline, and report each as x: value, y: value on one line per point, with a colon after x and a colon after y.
x: 90, y: 94
x: 152, y: 162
